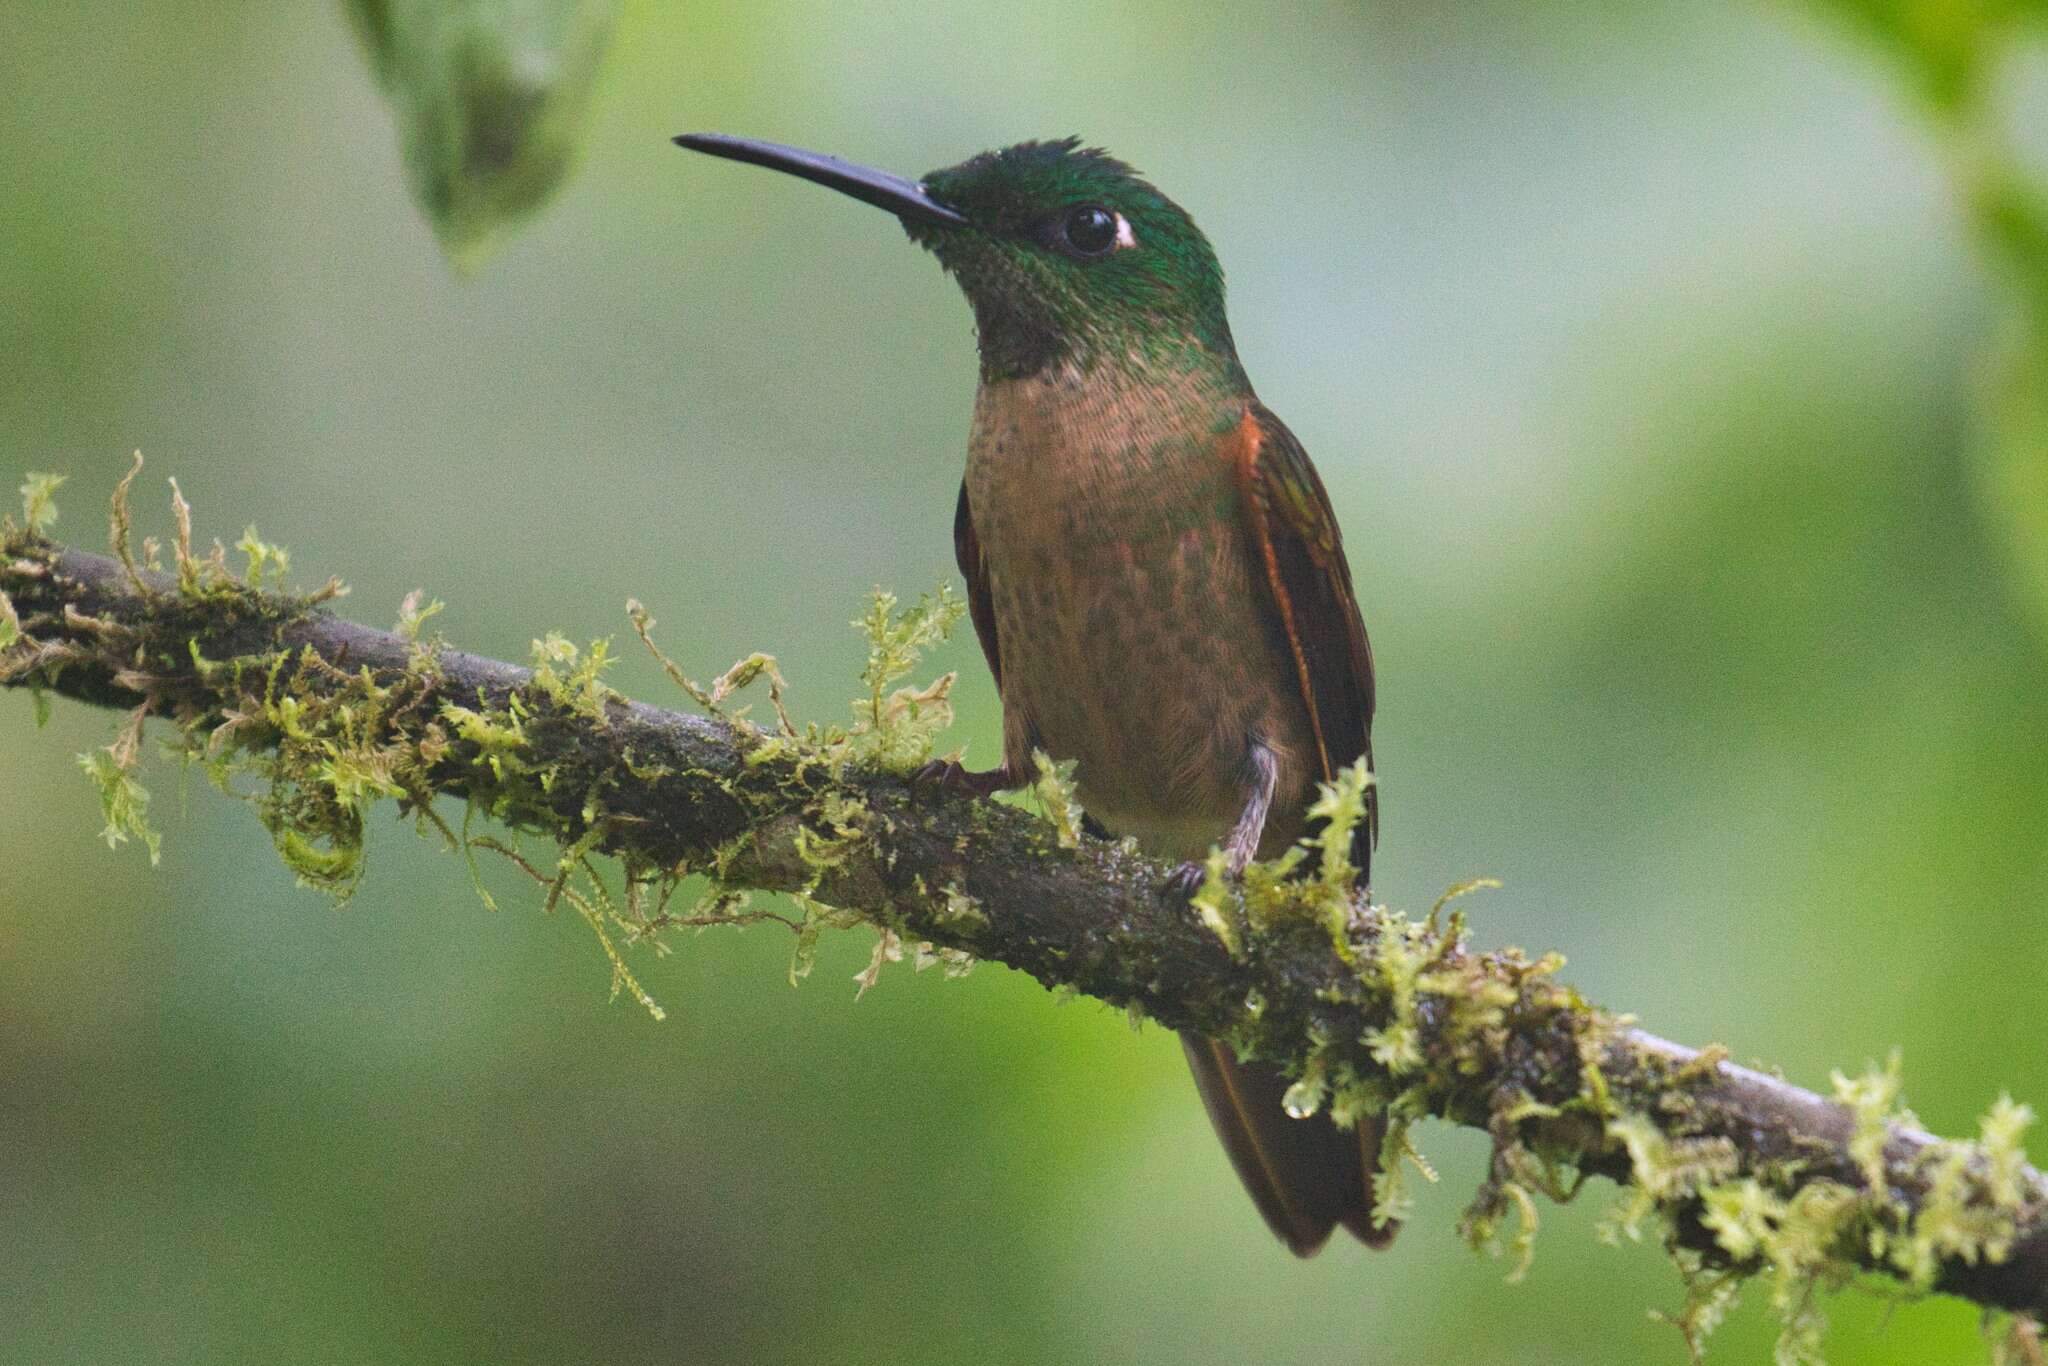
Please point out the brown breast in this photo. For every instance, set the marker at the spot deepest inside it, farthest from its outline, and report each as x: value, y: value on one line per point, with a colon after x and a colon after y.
x: 1124, y: 597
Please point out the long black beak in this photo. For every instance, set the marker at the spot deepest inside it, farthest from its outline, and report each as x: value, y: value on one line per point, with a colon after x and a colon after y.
x: 904, y: 198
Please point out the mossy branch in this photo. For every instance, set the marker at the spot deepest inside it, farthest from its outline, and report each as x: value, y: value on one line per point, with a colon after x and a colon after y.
x: 1752, y: 1176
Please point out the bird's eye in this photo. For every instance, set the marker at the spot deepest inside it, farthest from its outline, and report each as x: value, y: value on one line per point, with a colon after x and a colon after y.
x: 1090, y: 230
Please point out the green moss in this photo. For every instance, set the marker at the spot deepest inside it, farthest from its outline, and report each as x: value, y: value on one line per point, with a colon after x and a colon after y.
x: 266, y: 561
x: 817, y: 918
x: 836, y: 826
x: 1809, y: 1242
x: 414, y: 613
x: 962, y: 909
x: 1217, y: 907
x: 1340, y: 806
x: 643, y: 626
x: 1711, y: 1293
x: 894, y: 727
x: 1975, y: 1194
x: 124, y: 803
x: 1403, y: 954
x: 1870, y: 1099
x: 1391, y: 1200
x: 1522, y: 1247
x: 39, y: 502
x: 952, y: 962
x: 2001, y: 1134
x: 573, y: 678
x: 1054, y: 788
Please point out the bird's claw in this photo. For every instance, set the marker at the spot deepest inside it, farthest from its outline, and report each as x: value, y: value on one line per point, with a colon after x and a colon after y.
x: 950, y: 775
x: 1187, y: 879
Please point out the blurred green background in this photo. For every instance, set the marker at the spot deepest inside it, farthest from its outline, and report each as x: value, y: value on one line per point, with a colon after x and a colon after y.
x: 1642, y: 350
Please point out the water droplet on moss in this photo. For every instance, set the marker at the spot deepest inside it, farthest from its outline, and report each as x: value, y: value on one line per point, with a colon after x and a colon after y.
x: 1303, y: 1099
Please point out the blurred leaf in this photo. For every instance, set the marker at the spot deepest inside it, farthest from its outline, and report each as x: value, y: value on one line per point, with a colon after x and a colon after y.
x: 2013, y: 466
x: 1943, y: 40
x: 2011, y: 209
x: 1952, y: 51
x: 491, y: 97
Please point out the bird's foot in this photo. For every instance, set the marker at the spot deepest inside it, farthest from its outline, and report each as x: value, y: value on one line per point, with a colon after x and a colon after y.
x: 1187, y: 879
x: 951, y: 775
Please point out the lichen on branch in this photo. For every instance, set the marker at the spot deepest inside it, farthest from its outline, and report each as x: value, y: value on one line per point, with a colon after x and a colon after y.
x: 314, y: 721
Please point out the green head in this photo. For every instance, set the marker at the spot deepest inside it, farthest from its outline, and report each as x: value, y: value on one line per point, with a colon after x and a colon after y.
x: 1067, y: 255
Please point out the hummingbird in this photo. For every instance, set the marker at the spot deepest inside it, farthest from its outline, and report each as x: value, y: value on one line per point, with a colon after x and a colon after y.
x: 1153, y: 568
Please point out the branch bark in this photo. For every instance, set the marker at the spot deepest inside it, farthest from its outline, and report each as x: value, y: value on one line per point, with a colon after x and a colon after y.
x: 1496, y: 1043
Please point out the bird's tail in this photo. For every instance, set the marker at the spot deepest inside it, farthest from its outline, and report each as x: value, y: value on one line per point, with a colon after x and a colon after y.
x: 1306, y: 1175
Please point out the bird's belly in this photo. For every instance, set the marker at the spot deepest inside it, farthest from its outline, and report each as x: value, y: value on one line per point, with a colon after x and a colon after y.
x: 1151, y: 667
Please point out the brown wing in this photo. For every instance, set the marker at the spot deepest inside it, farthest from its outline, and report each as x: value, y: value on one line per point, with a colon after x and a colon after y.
x: 1295, y: 535
x: 1305, y: 1175
x: 967, y: 551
